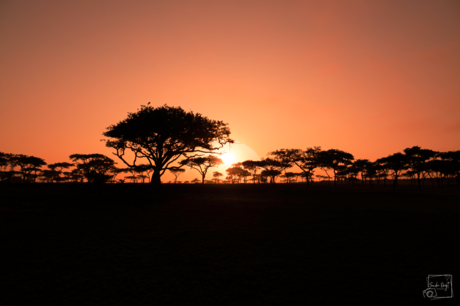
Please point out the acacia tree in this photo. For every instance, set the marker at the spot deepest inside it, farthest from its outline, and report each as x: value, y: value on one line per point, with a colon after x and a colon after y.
x: 216, y: 176
x: 57, y: 168
x: 440, y: 168
x: 202, y: 164
x: 4, y: 163
x: 236, y: 173
x: 273, y: 167
x: 395, y: 163
x: 176, y: 172
x: 164, y: 134
x: 251, y: 165
x: 96, y: 168
x: 453, y: 158
x: 27, y: 165
x: 334, y: 159
x: 307, y: 160
x: 282, y: 157
x: 144, y: 172
x: 417, y: 159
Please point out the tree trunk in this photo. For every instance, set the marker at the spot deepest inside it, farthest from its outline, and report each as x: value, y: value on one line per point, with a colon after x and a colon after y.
x: 156, y: 178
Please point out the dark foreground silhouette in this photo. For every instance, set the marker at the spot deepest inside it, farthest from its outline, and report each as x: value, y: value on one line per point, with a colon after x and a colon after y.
x: 65, y: 244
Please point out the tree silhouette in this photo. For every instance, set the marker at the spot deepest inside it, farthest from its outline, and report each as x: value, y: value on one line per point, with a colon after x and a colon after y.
x: 395, y: 163
x: 132, y: 178
x: 273, y: 167
x: 334, y: 159
x: 307, y: 160
x: 251, y: 165
x: 144, y: 170
x: 57, y: 168
x: 244, y: 175
x: 236, y: 173
x: 382, y: 171
x: 417, y: 159
x: 162, y: 135
x: 283, y: 159
x: 28, y: 165
x: 202, y: 164
x: 290, y: 176
x: 216, y: 176
x: 96, y: 168
x: 371, y: 171
x: 453, y: 159
x: 4, y: 163
x: 440, y: 168
x: 176, y: 172
x: 360, y: 166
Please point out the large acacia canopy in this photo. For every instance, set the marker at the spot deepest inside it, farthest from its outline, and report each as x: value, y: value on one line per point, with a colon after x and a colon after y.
x: 164, y: 134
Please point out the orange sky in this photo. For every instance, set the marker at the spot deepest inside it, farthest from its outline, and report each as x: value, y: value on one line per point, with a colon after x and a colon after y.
x: 367, y: 77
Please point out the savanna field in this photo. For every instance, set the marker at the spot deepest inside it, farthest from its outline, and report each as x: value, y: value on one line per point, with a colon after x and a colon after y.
x: 267, y: 244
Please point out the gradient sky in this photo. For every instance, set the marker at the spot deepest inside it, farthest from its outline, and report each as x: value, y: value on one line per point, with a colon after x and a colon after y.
x: 367, y: 77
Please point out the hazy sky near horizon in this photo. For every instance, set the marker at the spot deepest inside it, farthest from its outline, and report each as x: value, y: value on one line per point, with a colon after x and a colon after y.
x: 367, y: 77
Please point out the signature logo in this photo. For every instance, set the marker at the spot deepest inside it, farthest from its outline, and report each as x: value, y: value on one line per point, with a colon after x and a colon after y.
x: 439, y: 286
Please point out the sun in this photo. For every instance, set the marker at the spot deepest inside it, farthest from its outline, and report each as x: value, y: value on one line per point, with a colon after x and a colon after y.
x: 228, y: 158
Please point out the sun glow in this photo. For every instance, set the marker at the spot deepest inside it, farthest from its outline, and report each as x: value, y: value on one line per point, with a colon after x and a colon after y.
x: 228, y: 158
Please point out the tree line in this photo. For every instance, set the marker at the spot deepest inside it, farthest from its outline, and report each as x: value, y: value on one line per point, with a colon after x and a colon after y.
x: 169, y: 139
x: 340, y: 167
x: 413, y: 163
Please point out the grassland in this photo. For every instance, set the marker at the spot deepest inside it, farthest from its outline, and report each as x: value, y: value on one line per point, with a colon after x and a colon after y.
x: 280, y: 244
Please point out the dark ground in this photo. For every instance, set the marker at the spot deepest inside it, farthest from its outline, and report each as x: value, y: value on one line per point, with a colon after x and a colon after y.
x: 224, y: 245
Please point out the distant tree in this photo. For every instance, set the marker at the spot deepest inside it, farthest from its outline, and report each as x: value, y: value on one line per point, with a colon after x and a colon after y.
x: 290, y: 176
x: 132, y: 178
x: 77, y: 175
x: 67, y: 176
x: 324, y: 177
x: 57, y: 169
x: 176, y: 172
x: 4, y: 163
x: 352, y: 172
x: 273, y: 167
x: 361, y: 166
x: 283, y: 158
x: 252, y: 166
x: 334, y: 159
x: 244, y: 174
x: 417, y: 159
x: 372, y: 171
x: 272, y: 174
x: 144, y: 170
x: 307, y: 160
x: 343, y: 172
x: 48, y: 176
x: 202, y: 164
x: 28, y: 165
x: 4, y: 160
x: 234, y: 174
x: 162, y: 135
x: 216, y: 176
x: 439, y: 168
x: 143, y: 177
x: 395, y: 163
x: 195, y: 181
x: 96, y: 168
x: 382, y: 171
x: 453, y: 159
